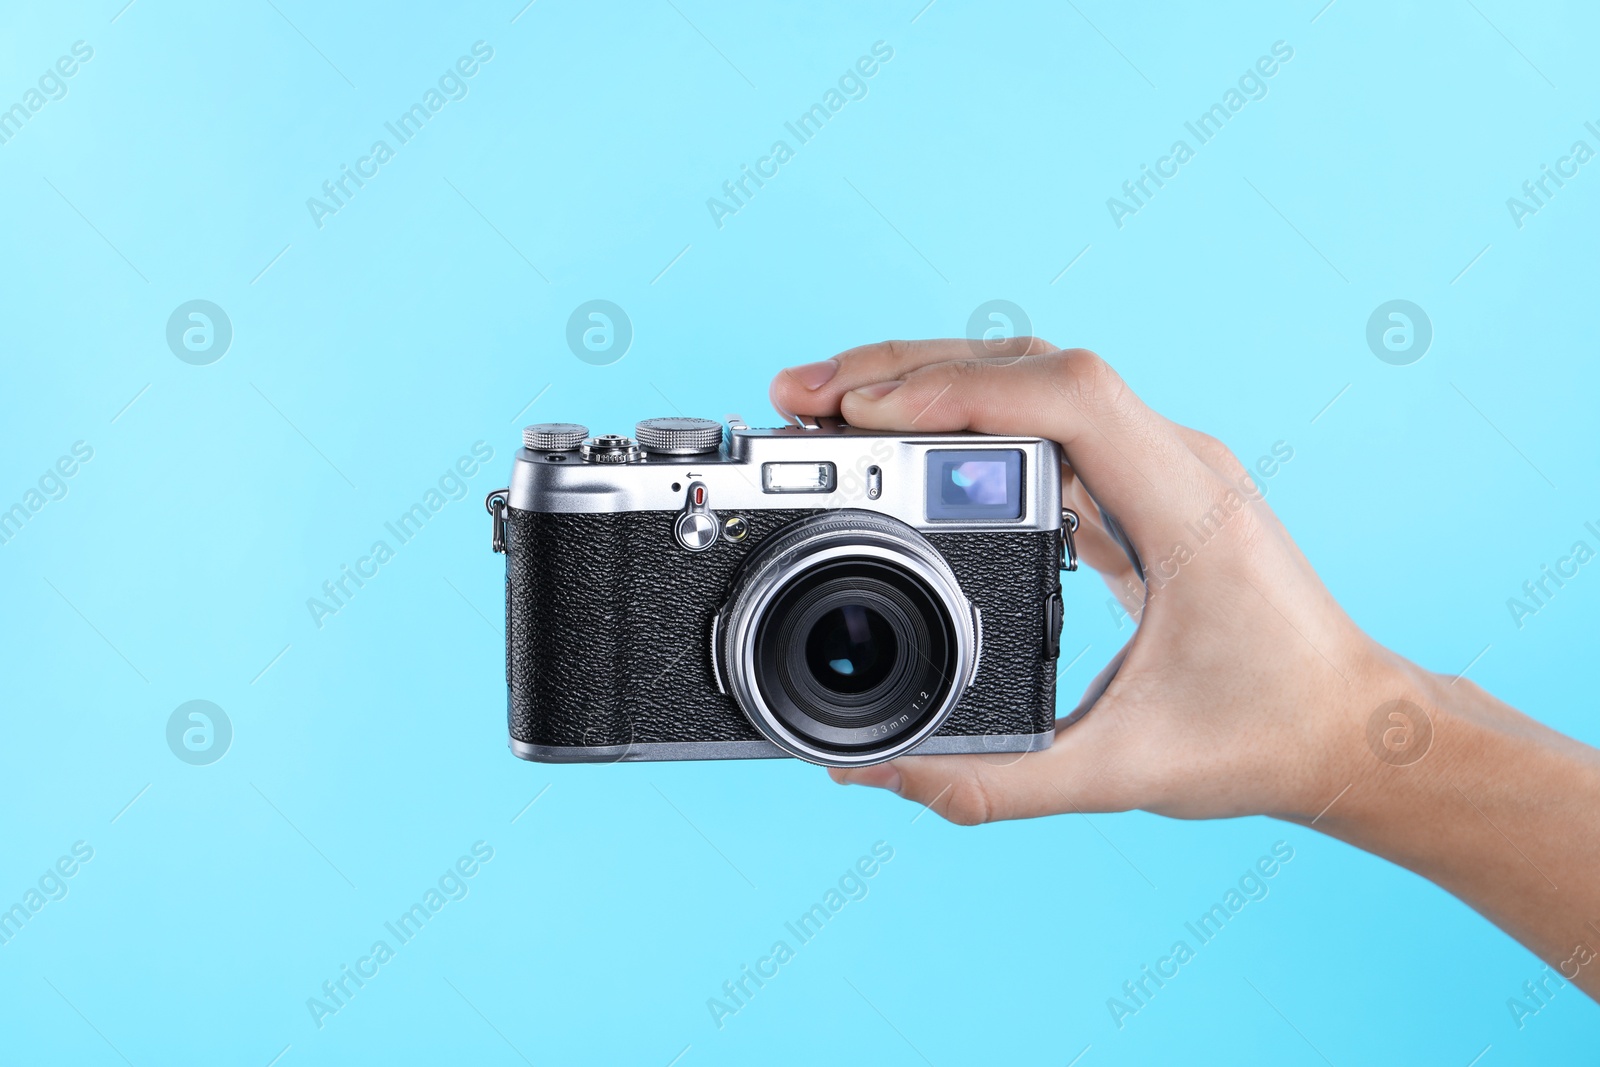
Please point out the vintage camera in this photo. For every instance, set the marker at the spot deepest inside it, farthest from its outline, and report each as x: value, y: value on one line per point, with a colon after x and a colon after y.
x: 837, y: 594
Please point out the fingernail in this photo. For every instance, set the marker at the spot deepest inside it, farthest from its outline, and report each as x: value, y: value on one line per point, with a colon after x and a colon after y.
x: 815, y: 375
x: 883, y: 776
x: 877, y: 390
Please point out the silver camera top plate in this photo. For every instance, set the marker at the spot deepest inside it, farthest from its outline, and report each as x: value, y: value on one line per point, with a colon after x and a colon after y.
x: 874, y: 470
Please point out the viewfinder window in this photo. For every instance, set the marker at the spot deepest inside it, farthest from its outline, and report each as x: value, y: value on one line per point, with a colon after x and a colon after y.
x: 974, y: 484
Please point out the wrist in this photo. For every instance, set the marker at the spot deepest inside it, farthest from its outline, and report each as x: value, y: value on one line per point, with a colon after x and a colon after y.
x: 1443, y: 779
x: 1409, y: 743
x: 1381, y: 723
x: 1390, y: 745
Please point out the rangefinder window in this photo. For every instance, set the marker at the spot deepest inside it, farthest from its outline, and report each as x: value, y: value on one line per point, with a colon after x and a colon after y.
x: 974, y: 484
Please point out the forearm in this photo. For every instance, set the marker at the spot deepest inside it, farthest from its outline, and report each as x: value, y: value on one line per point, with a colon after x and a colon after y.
x: 1498, y: 809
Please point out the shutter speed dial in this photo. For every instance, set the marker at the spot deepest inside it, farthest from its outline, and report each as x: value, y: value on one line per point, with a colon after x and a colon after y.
x: 696, y: 527
x: 679, y: 436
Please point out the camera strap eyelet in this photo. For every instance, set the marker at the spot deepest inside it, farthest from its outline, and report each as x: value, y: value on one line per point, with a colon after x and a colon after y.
x: 1069, y: 549
x: 495, y: 504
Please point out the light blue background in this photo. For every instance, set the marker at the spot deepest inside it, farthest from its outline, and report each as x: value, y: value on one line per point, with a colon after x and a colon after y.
x: 375, y: 351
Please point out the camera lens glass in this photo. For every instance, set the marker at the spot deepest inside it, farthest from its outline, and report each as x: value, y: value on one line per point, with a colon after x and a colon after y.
x: 855, y: 653
x: 851, y: 649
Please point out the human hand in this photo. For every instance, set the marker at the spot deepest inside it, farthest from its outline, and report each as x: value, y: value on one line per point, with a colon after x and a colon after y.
x: 1244, y: 686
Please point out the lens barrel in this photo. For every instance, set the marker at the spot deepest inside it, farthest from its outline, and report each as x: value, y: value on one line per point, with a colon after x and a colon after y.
x: 846, y: 639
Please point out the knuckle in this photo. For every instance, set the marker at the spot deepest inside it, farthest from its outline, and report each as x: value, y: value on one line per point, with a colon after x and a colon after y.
x: 1252, y: 534
x: 966, y: 371
x: 873, y: 358
x: 1017, y: 349
x: 894, y: 353
x: 955, y: 376
x: 1246, y: 536
x: 1219, y: 456
x: 896, y: 358
x: 1084, y: 376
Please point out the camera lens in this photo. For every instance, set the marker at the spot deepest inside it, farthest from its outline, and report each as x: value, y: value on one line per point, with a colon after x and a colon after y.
x: 854, y: 654
x: 846, y: 639
x: 851, y: 649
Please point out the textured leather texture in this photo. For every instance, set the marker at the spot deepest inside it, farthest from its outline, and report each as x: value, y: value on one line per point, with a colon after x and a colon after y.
x: 608, y: 629
x: 1008, y: 576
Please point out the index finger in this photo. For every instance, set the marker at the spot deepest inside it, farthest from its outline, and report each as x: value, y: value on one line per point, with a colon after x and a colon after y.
x: 816, y: 388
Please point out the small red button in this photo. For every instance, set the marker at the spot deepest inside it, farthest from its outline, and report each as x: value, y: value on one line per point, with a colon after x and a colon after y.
x: 699, y: 495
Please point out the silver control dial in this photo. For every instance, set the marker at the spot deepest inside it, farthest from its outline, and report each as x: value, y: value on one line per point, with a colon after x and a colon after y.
x: 554, y: 436
x: 610, y: 448
x: 679, y: 436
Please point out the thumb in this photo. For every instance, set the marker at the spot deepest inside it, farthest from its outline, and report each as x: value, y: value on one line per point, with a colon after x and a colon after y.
x: 1078, y: 772
x: 966, y: 790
